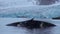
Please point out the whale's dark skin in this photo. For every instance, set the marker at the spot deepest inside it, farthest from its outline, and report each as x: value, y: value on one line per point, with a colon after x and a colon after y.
x: 32, y: 24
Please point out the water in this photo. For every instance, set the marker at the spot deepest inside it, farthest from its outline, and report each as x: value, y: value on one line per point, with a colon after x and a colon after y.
x: 21, y: 30
x: 28, y: 9
x: 13, y: 11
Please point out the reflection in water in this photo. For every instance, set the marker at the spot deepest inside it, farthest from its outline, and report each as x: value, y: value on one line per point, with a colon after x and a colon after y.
x: 39, y: 31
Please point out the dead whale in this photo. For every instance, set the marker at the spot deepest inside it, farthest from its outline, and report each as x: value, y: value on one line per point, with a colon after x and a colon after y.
x: 32, y: 24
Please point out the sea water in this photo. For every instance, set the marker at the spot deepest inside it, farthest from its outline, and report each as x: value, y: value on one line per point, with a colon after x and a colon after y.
x: 22, y: 30
x: 12, y: 10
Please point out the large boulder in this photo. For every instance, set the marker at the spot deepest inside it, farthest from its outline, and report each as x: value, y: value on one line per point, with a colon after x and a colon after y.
x: 32, y: 24
x: 56, y: 18
x: 46, y: 2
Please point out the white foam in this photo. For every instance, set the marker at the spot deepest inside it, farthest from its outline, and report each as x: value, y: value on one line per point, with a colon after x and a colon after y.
x: 25, y: 4
x: 43, y: 10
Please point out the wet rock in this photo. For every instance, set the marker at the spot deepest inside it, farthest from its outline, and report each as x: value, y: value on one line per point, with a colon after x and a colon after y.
x: 32, y: 24
x: 56, y: 18
x: 13, y: 24
x: 46, y: 2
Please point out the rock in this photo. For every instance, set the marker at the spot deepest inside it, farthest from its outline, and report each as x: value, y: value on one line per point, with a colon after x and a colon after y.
x: 46, y: 2
x: 32, y: 24
x: 56, y: 18
x: 13, y: 24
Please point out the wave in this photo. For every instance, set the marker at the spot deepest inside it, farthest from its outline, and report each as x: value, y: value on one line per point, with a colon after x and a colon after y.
x: 29, y: 9
x: 6, y: 3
